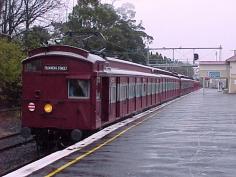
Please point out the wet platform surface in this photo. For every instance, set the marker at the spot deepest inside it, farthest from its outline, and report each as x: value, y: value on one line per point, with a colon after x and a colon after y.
x: 193, y: 137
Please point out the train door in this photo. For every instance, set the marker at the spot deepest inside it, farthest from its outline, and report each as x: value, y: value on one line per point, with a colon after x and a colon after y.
x: 138, y: 98
x: 158, y: 91
x: 112, y: 99
x: 105, y: 99
x: 128, y: 94
x: 118, y: 103
x: 165, y: 88
x: 153, y: 91
x: 98, y: 99
x: 131, y: 95
x: 125, y: 96
x: 163, y: 94
x: 161, y: 90
x: 144, y: 93
x: 149, y: 91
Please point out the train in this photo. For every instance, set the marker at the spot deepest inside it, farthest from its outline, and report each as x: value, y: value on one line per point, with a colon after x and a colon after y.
x: 68, y: 91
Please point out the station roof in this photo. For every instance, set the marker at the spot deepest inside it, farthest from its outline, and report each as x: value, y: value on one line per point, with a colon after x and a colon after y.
x: 233, y: 58
x: 212, y: 62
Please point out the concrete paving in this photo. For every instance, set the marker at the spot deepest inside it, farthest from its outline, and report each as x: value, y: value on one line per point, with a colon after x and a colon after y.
x: 193, y: 137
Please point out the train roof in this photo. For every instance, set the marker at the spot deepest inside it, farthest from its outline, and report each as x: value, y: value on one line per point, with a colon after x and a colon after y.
x: 151, y: 69
x: 64, y: 51
x: 117, y: 71
x: 128, y: 62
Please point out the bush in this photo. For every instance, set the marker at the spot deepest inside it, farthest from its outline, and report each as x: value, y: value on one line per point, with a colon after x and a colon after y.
x: 11, y: 56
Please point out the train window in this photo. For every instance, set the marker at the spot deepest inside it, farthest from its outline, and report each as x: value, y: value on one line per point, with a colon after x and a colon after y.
x: 33, y: 66
x: 78, y: 88
x: 153, y: 88
x: 126, y: 92
x: 113, y: 94
x: 131, y: 90
x: 149, y: 90
x: 138, y: 89
x: 157, y: 87
x: 123, y: 92
x: 118, y: 92
x: 143, y: 89
x: 161, y: 87
x: 98, y: 84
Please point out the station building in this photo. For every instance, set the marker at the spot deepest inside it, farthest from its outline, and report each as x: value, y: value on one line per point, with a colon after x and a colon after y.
x: 219, y: 74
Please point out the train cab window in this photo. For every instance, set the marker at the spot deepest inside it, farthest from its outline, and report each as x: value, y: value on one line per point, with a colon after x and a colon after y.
x: 33, y: 66
x: 78, y: 88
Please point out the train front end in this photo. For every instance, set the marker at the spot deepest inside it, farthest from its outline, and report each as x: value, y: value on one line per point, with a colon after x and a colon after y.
x: 57, y: 100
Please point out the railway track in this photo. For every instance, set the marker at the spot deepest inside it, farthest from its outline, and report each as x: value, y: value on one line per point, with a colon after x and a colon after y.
x: 9, y: 136
x: 13, y: 141
x: 9, y: 109
x: 16, y: 152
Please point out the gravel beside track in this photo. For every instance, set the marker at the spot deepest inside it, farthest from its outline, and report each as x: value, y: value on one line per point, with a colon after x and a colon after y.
x: 12, y: 141
x: 10, y: 122
x: 15, y: 151
x: 17, y: 157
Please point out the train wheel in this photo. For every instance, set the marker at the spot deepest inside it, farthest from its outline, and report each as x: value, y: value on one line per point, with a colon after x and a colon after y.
x: 76, y: 135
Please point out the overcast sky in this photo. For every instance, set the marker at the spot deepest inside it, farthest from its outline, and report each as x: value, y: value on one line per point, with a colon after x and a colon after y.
x: 189, y: 23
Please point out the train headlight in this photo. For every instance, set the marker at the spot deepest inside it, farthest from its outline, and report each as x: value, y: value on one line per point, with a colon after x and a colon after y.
x: 48, y: 108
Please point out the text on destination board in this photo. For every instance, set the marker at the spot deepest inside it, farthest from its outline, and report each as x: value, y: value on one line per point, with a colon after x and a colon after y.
x: 55, y: 68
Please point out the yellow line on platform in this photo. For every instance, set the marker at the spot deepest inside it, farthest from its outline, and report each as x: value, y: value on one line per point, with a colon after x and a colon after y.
x: 58, y: 170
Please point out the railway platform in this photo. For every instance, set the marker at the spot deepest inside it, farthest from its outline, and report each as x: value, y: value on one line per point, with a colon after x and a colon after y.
x: 194, y: 136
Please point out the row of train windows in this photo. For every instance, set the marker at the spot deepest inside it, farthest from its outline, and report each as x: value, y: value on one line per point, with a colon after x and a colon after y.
x: 137, y: 90
x: 78, y: 88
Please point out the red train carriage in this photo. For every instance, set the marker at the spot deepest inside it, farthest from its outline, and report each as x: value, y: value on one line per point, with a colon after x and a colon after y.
x: 67, y: 91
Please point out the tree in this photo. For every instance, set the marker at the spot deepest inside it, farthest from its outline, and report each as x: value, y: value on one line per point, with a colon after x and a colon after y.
x: 1, y: 6
x: 124, y: 38
x: 37, y: 37
x: 10, y: 69
x: 19, y: 15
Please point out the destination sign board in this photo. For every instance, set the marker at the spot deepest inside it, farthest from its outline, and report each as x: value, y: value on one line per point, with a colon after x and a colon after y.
x: 214, y: 74
x: 55, y: 68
